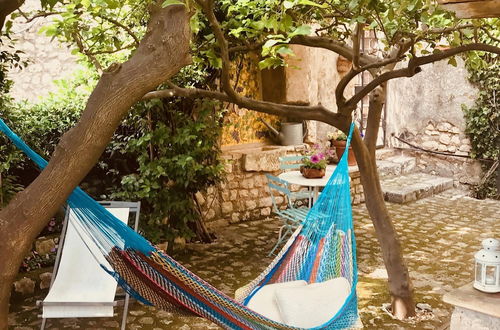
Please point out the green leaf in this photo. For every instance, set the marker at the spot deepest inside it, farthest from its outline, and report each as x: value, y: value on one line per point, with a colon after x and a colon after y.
x: 311, y: 3
x: 452, y: 61
x: 288, y: 4
x: 301, y: 30
x: 167, y: 3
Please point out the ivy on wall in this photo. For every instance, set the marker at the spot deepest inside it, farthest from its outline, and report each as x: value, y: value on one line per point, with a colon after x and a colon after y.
x: 483, y: 123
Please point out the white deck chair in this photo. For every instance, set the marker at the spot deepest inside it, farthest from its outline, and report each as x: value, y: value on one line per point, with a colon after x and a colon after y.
x: 79, y: 286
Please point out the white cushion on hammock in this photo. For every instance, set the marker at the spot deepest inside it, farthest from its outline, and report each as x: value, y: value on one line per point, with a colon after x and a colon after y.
x: 312, y: 305
x: 264, y: 301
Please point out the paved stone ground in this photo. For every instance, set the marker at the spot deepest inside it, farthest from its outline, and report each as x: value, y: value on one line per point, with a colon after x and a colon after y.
x: 439, y: 236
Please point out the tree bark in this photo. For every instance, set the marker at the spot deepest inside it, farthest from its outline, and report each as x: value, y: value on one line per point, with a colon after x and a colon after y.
x: 162, y: 52
x: 6, y: 8
x: 400, y: 285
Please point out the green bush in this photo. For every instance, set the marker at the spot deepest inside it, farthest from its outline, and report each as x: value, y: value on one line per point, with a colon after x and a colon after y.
x: 483, y: 122
x: 162, y: 154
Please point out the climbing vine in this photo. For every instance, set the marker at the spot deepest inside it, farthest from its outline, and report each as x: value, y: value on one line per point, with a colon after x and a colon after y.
x: 483, y: 123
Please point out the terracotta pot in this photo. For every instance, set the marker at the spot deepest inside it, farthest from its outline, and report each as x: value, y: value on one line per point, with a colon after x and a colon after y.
x: 343, y: 65
x: 312, y: 173
x: 340, y: 148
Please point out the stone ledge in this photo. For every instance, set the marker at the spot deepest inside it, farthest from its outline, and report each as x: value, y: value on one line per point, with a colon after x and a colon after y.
x: 475, y: 300
x: 412, y: 187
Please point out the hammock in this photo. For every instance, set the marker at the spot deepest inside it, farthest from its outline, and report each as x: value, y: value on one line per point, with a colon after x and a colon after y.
x: 322, y: 248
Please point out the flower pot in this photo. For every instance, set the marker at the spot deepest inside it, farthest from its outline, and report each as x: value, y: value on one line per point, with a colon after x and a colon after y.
x: 312, y: 173
x: 340, y: 148
x: 343, y: 65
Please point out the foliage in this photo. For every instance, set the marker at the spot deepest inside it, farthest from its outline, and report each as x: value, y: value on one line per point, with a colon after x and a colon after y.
x: 36, y: 261
x: 172, y: 155
x: 483, y: 121
x: 40, y: 125
x: 318, y: 158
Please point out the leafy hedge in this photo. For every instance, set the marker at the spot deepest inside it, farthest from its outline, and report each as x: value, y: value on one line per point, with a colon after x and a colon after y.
x: 483, y: 123
x: 162, y: 154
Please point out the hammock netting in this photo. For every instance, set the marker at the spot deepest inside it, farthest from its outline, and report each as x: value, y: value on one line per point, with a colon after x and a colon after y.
x: 322, y: 248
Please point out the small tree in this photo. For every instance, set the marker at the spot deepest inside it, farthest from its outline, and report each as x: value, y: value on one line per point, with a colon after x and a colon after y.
x: 409, y: 34
x: 409, y: 30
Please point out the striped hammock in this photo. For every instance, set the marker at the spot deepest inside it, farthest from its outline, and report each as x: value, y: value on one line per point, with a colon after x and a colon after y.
x: 322, y: 248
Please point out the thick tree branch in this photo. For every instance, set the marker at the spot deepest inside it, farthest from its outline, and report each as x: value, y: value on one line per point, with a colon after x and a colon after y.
x: 414, y: 68
x: 334, y: 46
x: 318, y: 112
x: 377, y: 100
x: 6, y: 8
x: 356, y: 45
x: 208, y: 10
x: 161, y: 53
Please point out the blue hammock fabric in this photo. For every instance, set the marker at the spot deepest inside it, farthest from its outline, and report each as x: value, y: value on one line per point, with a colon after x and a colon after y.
x: 322, y: 248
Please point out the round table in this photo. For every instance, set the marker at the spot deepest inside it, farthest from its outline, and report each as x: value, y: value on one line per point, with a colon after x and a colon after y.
x: 295, y: 177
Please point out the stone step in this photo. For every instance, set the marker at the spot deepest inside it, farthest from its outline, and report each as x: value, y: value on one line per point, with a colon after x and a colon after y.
x: 382, y: 154
x: 414, y: 186
x: 396, y: 165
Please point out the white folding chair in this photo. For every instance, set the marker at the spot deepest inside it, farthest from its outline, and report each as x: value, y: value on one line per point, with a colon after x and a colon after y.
x: 79, y: 286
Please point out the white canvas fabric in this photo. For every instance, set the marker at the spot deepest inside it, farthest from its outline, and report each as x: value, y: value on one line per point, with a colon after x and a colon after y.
x: 264, y: 301
x: 312, y: 305
x: 82, y: 288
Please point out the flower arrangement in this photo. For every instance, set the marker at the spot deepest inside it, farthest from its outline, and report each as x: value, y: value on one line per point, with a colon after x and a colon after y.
x: 319, y: 157
x: 336, y: 136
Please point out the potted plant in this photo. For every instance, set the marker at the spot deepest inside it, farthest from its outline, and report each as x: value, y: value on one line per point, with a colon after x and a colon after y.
x: 314, y: 166
x: 338, y: 141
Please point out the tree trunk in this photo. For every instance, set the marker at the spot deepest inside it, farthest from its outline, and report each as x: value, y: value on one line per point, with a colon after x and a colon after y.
x: 162, y: 52
x: 400, y: 286
x: 6, y: 8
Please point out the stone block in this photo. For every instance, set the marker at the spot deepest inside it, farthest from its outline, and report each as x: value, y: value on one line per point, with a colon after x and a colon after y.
x: 452, y: 148
x: 254, y: 193
x: 210, y: 214
x: 265, y: 211
x: 200, y: 199
x: 235, y: 217
x: 455, y: 140
x: 247, y: 184
x: 233, y: 195
x: 225, y: 195
x: 261, y: 161
x: 25, y: 286
x: 445, y: 139
x: 444, y: 127
x: 227, y: 207
x: 45, y: 280
x: 465, y: 148
x: 45, y: 246
x: 244, y: 194
x: 250, y: 205
x: 442, y: 147
x: 265, y: 202
x: 430, y: 145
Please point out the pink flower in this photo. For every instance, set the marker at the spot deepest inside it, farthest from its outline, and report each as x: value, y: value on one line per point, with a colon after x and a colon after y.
x: 316, y: 146
x: 321, y: 156
x: 315, y: 159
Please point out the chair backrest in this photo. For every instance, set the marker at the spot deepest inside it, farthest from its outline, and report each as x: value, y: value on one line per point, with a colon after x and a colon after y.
x: 290, y: 162
x: 81, y: 288
x: 279, y: 186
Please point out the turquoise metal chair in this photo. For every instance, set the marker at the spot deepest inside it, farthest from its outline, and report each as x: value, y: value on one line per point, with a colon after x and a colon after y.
x: 294, y: 163
x: 292, y: 216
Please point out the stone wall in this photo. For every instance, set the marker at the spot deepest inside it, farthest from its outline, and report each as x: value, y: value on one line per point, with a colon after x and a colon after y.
x: 245, y: 194
x: 48, y: 59
x: 426, y: 110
